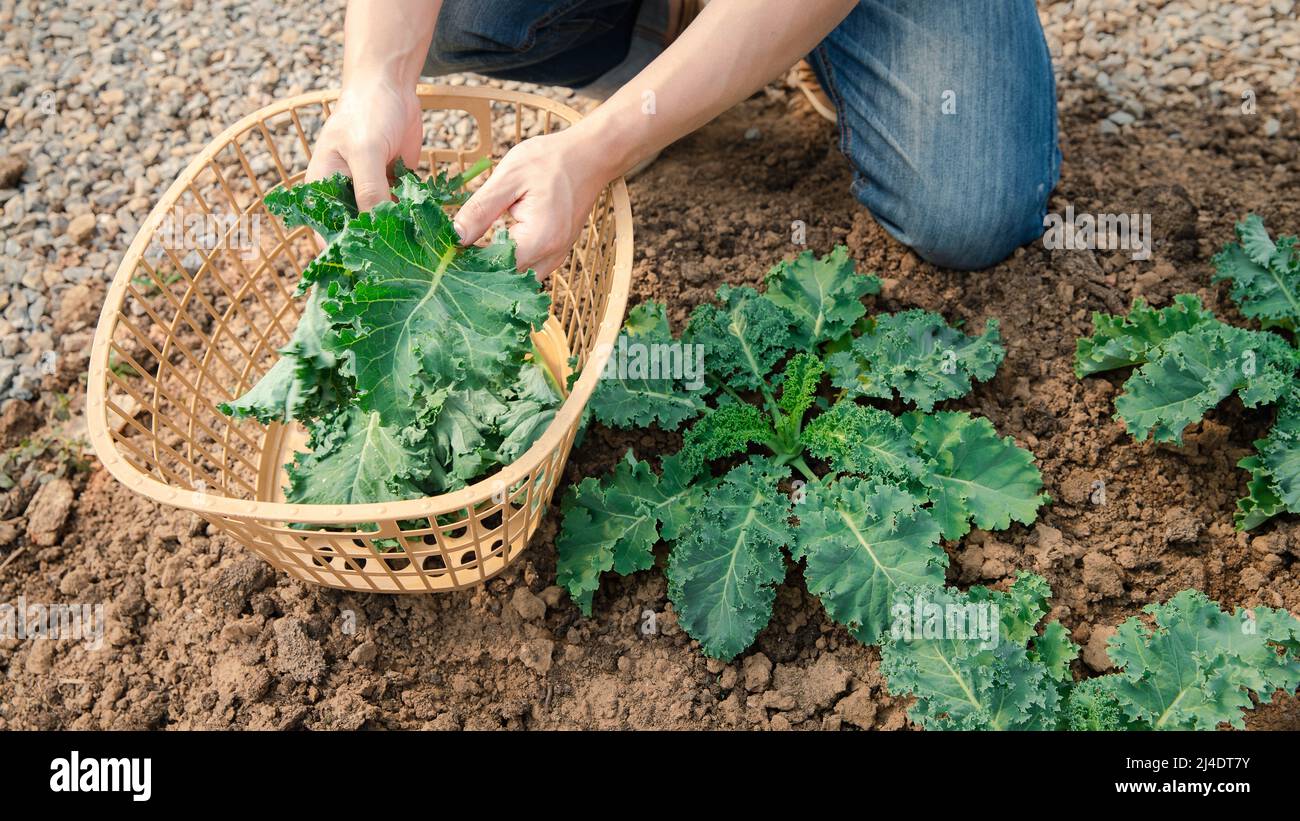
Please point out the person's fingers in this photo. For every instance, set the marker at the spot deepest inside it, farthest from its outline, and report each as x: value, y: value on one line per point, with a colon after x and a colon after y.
x: 412, y: 140
x: 369, y: 177
x: 323, y: 163
x: 532, y: 243
x: 484, y: 206
x: 541, y: 233
x: 549, y: 265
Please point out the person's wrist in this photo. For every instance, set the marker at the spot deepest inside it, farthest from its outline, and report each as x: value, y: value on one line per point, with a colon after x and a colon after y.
x: 386, y: 76
x: 608, y: 149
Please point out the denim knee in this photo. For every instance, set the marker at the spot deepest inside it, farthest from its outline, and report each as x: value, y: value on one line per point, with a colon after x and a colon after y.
x: 948, y: 113
x: 971, y: 230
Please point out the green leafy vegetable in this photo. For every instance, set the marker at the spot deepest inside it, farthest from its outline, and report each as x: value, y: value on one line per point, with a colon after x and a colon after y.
x: 973, y: 475
x: 614, y: 524
x: 530, y: 407
x: 1195, y: 370
x: 725, y: 432
x: 1265, y: 275
x: 916, y: 355
x: 863, y: 540
x: 1091, y: 706
x: 426, y: 313
x: 1196, y: 667
x: 1279, y: 451
x: 743, y: 338
x: 353, y: 459
x: 412, y: 365
x: 1261, y: 501
x: 972, y: 660
x: 1187, y: 362
x: 305, y: 382
x: 723, y: 573
x: 866, y: 517
x: 867, y: 441
x: 823, y: 295
x: 1120, y: 341
x: 649, y: 377
x: 326, y: 207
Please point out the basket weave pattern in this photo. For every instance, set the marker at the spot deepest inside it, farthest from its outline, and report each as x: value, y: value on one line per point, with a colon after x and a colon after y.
x: 186, y: 328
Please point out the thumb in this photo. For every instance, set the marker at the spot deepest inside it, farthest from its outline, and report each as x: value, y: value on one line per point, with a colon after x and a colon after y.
x: 486, y: 204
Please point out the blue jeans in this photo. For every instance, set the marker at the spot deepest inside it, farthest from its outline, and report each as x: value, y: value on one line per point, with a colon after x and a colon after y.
x: 947, y: 108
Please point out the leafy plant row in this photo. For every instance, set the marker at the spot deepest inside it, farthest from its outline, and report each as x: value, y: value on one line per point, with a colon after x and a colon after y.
x: 1186, y: 361
x: 412, y: 365
x: 1192, y: 666
x: 785, y: 458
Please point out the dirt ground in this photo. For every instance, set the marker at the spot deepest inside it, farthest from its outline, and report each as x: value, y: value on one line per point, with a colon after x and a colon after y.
x: 203, y: 635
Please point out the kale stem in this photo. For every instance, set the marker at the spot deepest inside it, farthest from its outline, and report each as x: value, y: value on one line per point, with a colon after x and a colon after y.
x: 802, y: 467
x: 474, y: 170
x: 772, y: 408
x: 730, y: 391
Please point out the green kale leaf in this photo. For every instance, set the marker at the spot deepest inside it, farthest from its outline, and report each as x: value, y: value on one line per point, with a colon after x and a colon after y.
x: 1265, y: 275
x: 426, y: 313
x: 743, y: 338
x: 1194, y: 370
x: 1121, y: 340
x: 973, y: 475
x: 650, y: 378
x: 1197, y: 666
x: 863, y: 540
x: 723, y: 572
x: 823, y: 295
x: 916, y: 355
x: 613, y: 523
x: 966, y: 676
x: 354, y: 458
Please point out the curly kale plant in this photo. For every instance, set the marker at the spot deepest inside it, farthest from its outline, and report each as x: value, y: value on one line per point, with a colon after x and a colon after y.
x: 412, y: 365
x: 1192, y: 666
x: 1187, y: 361
x: 782, y: 455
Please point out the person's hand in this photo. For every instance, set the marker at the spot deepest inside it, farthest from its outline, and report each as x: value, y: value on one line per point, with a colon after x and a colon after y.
x: 549, y: 185
x: 374, y: 123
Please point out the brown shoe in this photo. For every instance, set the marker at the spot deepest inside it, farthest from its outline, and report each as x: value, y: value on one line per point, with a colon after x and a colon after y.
x: 805, y: 79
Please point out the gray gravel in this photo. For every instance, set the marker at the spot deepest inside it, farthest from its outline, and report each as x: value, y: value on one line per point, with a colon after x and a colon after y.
x: 1163, y: 53
x: 103, y: 102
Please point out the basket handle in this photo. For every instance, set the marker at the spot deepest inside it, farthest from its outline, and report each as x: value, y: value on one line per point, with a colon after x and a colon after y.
x: 480, y: 108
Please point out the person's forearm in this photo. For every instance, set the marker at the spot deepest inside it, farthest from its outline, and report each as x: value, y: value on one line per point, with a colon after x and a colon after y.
x: 387, y: 40
x: 731, y: 50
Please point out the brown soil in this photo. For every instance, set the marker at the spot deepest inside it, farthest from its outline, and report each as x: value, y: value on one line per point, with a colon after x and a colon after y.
x: 202, y: 634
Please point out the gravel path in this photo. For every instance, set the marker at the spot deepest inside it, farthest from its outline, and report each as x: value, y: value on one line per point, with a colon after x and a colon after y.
x: 102, y: 103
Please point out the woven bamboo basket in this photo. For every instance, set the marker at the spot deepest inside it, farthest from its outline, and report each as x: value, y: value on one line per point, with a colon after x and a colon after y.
x: 183, y: 329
